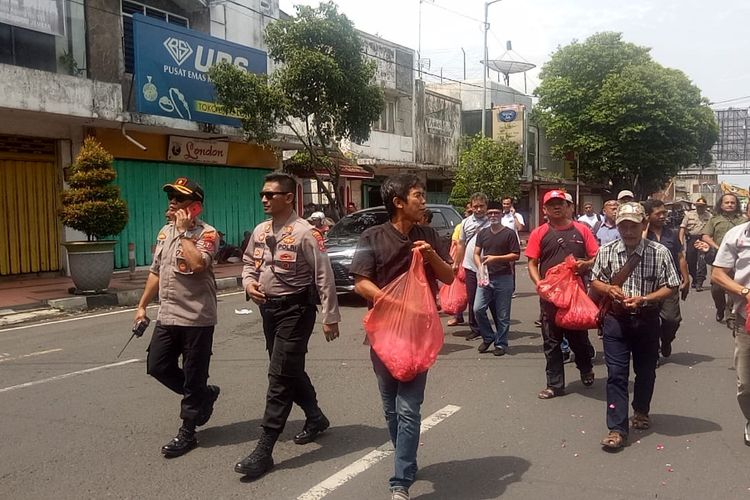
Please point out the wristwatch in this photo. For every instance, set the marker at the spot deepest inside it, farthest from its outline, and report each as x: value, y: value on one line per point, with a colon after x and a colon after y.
x: 645, y: 302
x: 745, y: 291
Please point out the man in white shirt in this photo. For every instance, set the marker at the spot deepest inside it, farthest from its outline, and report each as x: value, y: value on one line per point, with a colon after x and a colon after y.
x: 512, y: 219
x: 589, y: 217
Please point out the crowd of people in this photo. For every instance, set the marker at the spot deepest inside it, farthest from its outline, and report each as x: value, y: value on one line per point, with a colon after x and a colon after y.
x: 627, y: 258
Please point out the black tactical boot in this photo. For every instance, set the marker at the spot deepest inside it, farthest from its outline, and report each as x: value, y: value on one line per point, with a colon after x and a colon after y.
x: 260, y: 460
x: 208, y: 408
x: 311, y: 430
x: 182, y: 443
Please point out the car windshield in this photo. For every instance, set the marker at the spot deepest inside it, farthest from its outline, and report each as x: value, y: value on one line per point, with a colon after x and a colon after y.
x: 353, y: 225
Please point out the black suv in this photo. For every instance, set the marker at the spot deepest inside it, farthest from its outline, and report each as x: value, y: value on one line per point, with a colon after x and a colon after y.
x: 343, y: 236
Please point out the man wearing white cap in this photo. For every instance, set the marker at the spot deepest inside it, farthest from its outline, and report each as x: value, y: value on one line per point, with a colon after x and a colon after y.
x: 625, y: 196
x: 317, y: 220
x: 635, y: 274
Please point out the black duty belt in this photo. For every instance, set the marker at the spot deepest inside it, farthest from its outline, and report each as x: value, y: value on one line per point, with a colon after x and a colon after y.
x: 301, y: 298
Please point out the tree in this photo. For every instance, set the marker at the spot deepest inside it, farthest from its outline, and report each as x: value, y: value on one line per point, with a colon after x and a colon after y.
x: 487, y: 166
x: 323, y: 89
x: 632, y: 121
x: 93, y: 205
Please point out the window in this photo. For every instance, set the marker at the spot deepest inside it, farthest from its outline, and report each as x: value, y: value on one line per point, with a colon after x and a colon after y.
x: 387, y: 120
x: 438, y: 220
x: 128, y: 9
x: 30, y: 49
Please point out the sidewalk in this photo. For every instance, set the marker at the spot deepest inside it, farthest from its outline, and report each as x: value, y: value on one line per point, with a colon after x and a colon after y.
x: 30, y: 293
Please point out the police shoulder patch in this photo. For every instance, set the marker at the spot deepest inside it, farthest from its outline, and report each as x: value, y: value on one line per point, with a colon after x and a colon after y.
x: 319, y: 238
x: 162, y: 236
x: 209, y: 236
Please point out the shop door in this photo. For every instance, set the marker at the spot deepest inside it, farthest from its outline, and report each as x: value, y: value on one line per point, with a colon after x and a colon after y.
x: 29, y: 235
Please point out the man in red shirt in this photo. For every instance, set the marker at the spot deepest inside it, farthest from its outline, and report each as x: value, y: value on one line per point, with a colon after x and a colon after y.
x: 548, y: 246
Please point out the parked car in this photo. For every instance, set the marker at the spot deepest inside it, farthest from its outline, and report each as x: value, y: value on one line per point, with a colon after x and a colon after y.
x: 343, y: 236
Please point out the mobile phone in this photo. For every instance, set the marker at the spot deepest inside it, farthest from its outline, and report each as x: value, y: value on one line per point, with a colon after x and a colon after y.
x: 195, y: 209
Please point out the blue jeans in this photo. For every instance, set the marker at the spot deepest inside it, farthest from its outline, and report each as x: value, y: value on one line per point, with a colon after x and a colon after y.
x: 402, y: 402
x: 636, y: 336
x: 498, y: 293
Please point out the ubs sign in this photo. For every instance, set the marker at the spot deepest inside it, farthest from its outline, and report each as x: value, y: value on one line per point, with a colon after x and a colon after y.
x: 171, y: 70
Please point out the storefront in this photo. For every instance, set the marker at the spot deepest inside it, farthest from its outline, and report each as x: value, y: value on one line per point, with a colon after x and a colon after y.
x: 29, y: 198
x: 231, y: 175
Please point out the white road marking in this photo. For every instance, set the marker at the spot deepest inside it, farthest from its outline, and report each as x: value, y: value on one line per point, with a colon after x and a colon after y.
x: 67, y: 375
x: 89, y: 316
x: 325, y: 487
x: 38, y: 353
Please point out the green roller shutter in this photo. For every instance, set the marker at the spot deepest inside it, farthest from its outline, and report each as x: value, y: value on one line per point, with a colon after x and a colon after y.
x: 232, y: 205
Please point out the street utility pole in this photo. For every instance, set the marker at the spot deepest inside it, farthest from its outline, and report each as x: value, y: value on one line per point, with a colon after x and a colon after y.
x: 485, y: 69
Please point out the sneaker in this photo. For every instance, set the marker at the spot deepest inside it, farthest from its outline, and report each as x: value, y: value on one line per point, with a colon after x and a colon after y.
x: 538, y: 324
x: 473, y: 336
x: 699, y: 286
x: 567, y: 357
x: 484, y: 346
x: 399, y: 493
x: 747, y: 433
x: 514, y: 295
x: 499, y: 351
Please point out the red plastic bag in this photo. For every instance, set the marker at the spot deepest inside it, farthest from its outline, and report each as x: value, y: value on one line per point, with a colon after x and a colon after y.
x: 582, y: 313
x: 403, y: 327
x: 453, y: 297
x: 557, y: 284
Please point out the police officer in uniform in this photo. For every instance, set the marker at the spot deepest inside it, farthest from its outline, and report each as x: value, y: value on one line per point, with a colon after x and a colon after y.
x: 286, y: 272
x: 182, y: 275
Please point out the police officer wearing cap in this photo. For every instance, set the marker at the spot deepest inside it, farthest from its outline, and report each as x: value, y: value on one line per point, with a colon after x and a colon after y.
x: 636, y: 274
x: 182, y: 274
x: 287, y: 271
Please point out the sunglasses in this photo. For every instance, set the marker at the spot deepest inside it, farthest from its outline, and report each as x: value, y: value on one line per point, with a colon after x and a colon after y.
x: 179, y: 198
x: 270, y: 194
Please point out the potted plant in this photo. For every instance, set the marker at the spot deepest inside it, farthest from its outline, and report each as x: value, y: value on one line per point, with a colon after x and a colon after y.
x: 93, y: 206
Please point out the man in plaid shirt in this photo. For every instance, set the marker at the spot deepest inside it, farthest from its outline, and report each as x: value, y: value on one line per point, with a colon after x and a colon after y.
x: 631, y: 327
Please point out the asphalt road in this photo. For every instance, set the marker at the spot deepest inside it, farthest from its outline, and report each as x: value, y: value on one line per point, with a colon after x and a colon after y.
x: 75, y: 427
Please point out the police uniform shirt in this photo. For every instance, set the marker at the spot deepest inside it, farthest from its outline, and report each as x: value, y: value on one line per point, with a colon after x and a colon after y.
x: 734, y: 254
x: 693, y: 222
x: 297, y: 261
x: 187, y: 298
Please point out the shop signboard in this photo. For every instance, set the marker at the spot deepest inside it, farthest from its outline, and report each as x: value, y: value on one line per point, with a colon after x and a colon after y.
x: 171, y: 70
x: 45, y: 16
x: 190, y: 150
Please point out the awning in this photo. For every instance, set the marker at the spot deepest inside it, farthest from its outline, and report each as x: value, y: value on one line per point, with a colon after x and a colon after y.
x: 346, y: 171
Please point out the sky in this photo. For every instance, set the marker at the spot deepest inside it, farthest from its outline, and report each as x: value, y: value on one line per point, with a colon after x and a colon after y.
x: 708, y: 41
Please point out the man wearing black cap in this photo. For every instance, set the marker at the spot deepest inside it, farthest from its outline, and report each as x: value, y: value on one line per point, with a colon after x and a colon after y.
x: 182, y: 274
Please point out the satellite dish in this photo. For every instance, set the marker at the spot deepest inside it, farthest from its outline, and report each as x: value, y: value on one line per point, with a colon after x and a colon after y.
x: 509, y: 63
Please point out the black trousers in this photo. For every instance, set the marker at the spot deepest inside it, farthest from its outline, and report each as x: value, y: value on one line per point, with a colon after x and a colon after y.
x: 471, y: 292
x: 193, y: 343
x: 287, y: 328
x: 552, y: 336
x: 695, y: 261
x: 626, y: 336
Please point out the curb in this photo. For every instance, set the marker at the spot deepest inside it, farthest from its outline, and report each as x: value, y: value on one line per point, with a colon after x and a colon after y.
x: 121, y: 297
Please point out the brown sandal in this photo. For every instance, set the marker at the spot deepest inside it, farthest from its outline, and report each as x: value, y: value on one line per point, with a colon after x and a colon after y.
x: 550, y: 393
x: 613, y: 441
x: 587, y: 379
x: 640, y: 421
